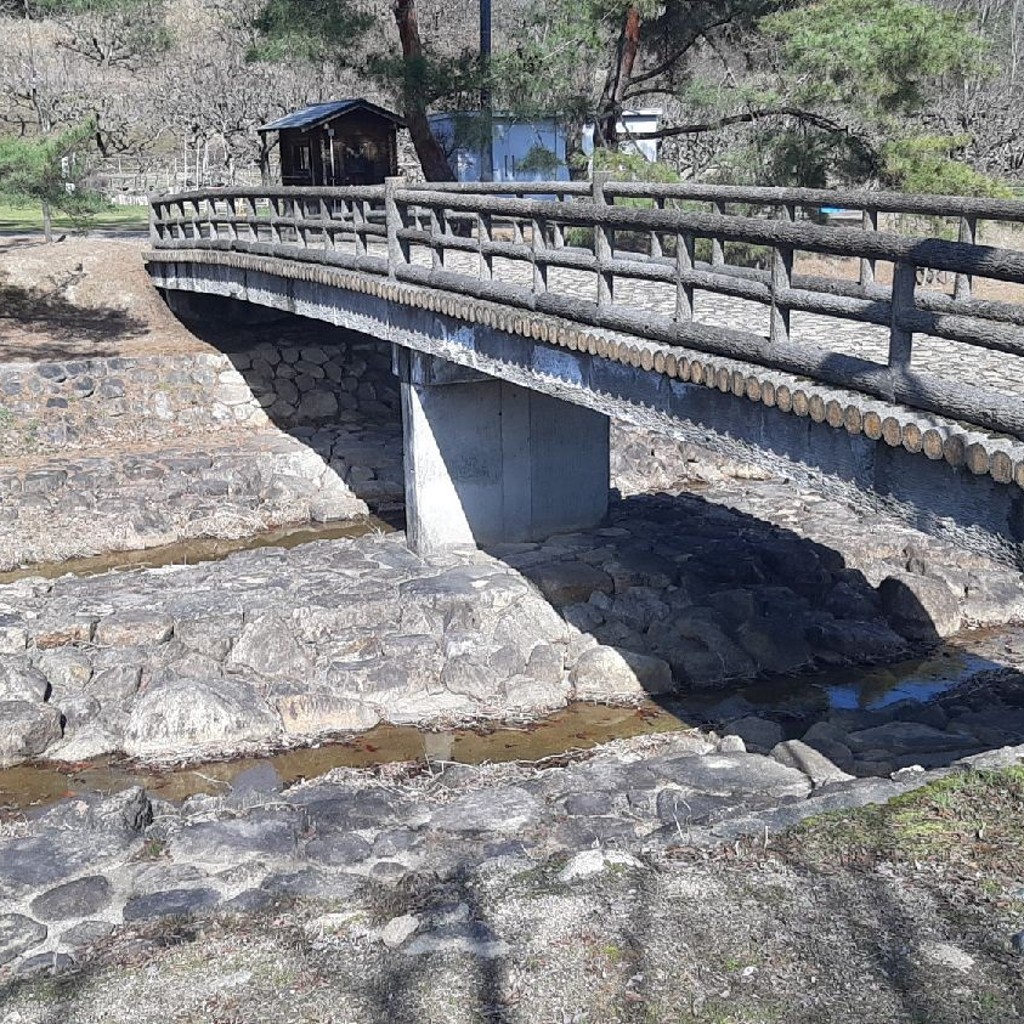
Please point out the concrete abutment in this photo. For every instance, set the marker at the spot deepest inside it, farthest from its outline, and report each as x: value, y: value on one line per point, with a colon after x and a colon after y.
x: 487, y: 461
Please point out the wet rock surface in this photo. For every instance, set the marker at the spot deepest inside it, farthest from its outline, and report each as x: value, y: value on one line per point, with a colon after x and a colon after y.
x: 676, y: 594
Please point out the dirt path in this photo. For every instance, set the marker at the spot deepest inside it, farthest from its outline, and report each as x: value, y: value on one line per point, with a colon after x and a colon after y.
x: 82, y: 298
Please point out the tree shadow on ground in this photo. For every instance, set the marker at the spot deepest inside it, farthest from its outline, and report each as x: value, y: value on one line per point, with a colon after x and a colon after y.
x: 745, y: 936
x: 63, y: 325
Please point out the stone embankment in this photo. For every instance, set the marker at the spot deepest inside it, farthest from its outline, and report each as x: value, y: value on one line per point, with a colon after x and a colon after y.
x: 116, y: 453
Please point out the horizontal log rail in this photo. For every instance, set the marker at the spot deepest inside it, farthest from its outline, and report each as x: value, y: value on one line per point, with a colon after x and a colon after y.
x: 392, y: 229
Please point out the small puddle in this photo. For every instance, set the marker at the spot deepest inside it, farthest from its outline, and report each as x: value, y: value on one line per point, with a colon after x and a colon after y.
x: 204, y: 549
x: 578, y: 727
x: 870, y: 688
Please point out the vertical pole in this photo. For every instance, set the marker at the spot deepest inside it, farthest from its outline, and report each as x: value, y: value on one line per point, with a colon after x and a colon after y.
x: 436, y: 228
x: 684, y: 262
x: 868, y: 222
x: 358, y: 225
x: 782, y: 280
x: 656, y: 252
x: 326, y: 233
x: 398, y: 251
x: 486, y: 104
x: 483, y: 236
x: 602, y: 242
x: 540, y: 267
x: 968, y: 234
x: 717, y: 252
x: 900, y: 340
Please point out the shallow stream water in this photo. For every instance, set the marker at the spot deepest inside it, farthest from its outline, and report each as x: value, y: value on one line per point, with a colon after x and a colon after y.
x: 203, y: 549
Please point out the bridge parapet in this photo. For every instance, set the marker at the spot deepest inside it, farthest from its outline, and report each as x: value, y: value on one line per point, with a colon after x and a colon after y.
x: 578, y: 257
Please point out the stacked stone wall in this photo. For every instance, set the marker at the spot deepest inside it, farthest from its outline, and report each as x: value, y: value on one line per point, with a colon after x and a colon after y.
x: 121, y: 453
x: 57, y: 406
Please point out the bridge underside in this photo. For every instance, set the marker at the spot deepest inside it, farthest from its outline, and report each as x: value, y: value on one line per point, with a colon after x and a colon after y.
x: 486, y: 461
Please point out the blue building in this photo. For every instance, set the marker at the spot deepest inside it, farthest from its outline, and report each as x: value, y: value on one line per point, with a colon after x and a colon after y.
x: 523, y: 150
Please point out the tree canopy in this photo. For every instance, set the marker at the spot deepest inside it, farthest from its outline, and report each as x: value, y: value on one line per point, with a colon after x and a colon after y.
x: 778, y: 91
x: 47, y: 170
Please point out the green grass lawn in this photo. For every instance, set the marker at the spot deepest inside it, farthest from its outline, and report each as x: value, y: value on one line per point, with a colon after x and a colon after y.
x: 30, y: 219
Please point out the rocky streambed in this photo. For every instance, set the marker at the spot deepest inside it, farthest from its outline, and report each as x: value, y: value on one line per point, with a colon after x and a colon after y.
x: 676, y: 596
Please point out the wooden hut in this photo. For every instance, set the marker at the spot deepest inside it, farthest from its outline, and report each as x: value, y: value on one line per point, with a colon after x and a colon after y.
x: 345, y: 142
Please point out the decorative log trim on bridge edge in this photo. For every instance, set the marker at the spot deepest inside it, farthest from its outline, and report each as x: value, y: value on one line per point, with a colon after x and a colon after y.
x: 935, y: 437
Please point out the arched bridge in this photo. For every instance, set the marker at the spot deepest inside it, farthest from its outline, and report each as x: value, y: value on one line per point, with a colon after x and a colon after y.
x: 885, y: 361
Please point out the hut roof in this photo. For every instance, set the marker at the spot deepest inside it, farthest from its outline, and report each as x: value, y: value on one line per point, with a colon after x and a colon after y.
x: 320, y: 113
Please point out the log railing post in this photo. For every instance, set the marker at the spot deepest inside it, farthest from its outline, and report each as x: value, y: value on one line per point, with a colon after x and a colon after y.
x: 684, y: 263
x: 603, y: 242
x: 359, y: 226
x: 326, y: 229
x: 232, y: 214
x: 155, y: 210
x: 868, y: 222
x: 901, y: 340
x: 782, y: 280
x: 538, y: 243
x: 968, y: 233
x: 436, y: 256
x: 275, y: 214
x: 398, y: 250
x: 557, y: 231
x: 484, y: 222
x: 717, y: 250
x: 656, y: 250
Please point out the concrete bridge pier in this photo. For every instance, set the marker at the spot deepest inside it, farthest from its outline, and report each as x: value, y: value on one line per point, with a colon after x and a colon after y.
x: 489, y: 462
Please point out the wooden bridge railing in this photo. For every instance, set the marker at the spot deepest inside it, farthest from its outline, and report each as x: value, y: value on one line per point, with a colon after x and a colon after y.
x: 430, y: 234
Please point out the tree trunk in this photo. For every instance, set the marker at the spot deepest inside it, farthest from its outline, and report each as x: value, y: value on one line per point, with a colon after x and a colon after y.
x: 264, y: 161
x: 431, y: 156
x: 607, y: 132
x: 47, y: 221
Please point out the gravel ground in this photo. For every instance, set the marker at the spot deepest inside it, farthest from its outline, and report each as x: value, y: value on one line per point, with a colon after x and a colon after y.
x: 903, y: 913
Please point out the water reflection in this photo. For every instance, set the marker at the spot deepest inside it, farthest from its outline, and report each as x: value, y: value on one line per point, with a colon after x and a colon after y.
x: 202, y: 549
x: 578, y: 727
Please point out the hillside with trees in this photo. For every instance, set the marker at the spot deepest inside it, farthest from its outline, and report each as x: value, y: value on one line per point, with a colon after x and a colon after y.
x: 923, y: 95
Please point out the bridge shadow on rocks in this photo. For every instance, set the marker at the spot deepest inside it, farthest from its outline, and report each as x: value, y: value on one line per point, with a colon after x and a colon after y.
x: 731, y: 622
x: 329, y: 388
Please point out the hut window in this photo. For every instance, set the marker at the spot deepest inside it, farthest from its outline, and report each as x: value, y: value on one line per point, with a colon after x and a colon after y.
x: 302, y: 162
